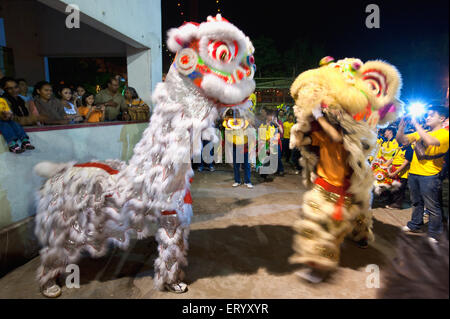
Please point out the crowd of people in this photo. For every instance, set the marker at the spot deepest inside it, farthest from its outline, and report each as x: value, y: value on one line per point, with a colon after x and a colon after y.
x: 276, y: 125
x: 62, y: 105
x: 414, y: 154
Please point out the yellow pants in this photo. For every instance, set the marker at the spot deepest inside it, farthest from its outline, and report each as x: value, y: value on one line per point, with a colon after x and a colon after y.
x: 319, y: 236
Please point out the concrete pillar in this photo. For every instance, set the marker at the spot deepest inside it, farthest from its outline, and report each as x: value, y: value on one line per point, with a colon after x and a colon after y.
x: 139, y: 65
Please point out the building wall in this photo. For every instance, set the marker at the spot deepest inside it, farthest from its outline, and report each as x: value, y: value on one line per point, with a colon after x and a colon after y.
x: 17, y: 182
x: 36, y: 29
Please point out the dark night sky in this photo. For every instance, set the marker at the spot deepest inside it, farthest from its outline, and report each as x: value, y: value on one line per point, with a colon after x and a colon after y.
x: 413, y: 34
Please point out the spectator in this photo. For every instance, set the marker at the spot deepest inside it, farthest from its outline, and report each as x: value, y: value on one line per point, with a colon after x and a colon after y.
x: 23, y: 90
x: 90, y: 112
x: 287, y: 125
x: 16, y: 104
x: 240, y: 145
x: 399, y: 171
x: 427, y: 163
x: 211, y: 153
x: 78, y: 95
x: 388, y: 147
x: 274, y: 129
x: 273, y: 120
x: 138, y: 110
x: 113, y: 101
x: 71, y: 110
x: 1, y: 78
x: 49, y: 109
x: 296, y: 159
x: 13, y: 132
x: 281, y: 116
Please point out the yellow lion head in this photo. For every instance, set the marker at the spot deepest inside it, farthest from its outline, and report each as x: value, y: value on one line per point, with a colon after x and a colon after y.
x: 368, y: 91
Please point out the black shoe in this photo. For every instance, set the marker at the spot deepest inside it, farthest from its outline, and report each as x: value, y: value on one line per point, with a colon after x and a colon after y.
x: 27, y: 146
x: 16, y: 149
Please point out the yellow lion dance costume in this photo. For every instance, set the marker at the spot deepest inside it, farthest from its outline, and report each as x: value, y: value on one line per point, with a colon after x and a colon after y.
x: 354, y: 97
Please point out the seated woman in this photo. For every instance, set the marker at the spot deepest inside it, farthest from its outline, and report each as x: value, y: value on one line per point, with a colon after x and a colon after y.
x: 90, y: 112
x: 12, y: 131
x: 50, y: 110
x: 138, y: 110
x: 71, y: 110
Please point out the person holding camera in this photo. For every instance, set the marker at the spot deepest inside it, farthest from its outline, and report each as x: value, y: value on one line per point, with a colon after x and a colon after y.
x: 424, y: 176
x: 89, y: 111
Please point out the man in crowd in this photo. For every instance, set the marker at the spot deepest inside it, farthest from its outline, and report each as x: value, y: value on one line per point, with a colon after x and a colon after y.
x: 427, y: 163
x: 116, y: 108
x: 16, y: 104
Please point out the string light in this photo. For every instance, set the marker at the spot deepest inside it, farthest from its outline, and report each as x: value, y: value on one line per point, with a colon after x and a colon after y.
x: 218, y: 6
x: 180, y: 8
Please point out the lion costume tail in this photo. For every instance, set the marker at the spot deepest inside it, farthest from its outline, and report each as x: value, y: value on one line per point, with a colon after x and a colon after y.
x: 49, y: 169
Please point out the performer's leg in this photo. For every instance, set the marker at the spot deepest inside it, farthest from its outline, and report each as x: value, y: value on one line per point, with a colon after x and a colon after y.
x: 172, y: 238
x: 319, y: 235
x: 362, y: 226
x: 53, y: 264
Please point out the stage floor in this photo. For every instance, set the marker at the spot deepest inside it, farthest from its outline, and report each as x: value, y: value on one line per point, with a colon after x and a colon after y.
x: 239, y: 248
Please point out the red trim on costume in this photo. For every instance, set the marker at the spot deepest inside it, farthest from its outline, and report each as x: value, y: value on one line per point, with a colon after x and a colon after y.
x: 342, y: 191
x: 168, y: 213
x: 104, y: 167
x: 188, y: 198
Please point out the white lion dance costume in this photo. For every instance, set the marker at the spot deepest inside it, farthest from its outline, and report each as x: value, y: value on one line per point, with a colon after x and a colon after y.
x: 354, y: 98
x: 83, y: 207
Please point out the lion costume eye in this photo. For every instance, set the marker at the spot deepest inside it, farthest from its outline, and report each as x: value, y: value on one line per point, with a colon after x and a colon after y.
x: 376, y: 81
x: 222, y: 51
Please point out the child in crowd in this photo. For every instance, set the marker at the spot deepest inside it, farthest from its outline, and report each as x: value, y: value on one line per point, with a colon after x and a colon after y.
x: 78, y: 96
x: 90, y: 112
x: 12, y: 131
x: 399, y: 171
x: 71, y: 110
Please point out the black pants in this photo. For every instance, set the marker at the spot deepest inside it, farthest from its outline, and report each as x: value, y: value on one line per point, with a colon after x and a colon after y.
x: 295, y: 158
x: 398, y: 196
x: 286, y: 150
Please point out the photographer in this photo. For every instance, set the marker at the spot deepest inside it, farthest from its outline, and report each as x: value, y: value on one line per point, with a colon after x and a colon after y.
x: 427, y: 163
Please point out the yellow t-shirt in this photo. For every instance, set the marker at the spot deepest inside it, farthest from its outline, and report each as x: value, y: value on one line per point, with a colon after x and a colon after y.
x: 4, y: 107
x: 270, y: 131
x: 388, y: 149
x: 429, y: 167
x: 95, y: 116
x: 235, y: 131
x: 287, y: 129
x: 399, y: 159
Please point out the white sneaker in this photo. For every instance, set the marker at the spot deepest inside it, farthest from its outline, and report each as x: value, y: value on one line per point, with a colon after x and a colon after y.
x: 52, y: 291
x: 313, y: 276
x: 433, y: 241
x: 178, y: 288
x: 249, y: 185
x: 406, y: 229
x: 236, y: 184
